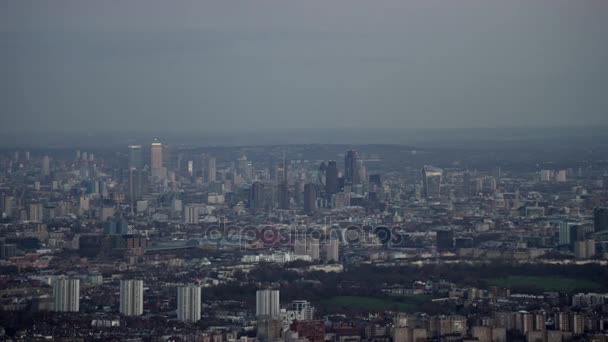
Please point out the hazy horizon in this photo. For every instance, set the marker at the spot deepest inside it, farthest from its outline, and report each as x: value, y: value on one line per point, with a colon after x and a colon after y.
x: 269, y: 65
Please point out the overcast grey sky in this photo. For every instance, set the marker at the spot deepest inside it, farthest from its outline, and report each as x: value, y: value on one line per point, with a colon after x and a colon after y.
x: 274, y: 64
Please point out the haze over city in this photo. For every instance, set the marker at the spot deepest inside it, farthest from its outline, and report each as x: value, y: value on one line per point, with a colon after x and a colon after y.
x: 232, y: 66
x: 304, y: 171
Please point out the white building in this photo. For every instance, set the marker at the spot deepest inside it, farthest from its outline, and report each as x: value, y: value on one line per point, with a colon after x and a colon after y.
x: 131, y: 297
x: 267, y: 303
x: 332, y: 249
x: 66, y: 294
x: 191, y: 214
x: 189, y: 303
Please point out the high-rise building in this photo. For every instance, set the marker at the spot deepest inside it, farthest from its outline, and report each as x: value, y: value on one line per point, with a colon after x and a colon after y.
x: 136, y: 157
x: 331, y: 179
x: 66, y: 294
x: 267, y: 303
x: 284, y: 187
x: 257, y: 196
x: 191, y: 214
x: 600, y: 219
x: 211, y: 170
x: 131, y: 297
x: 36, y: 212
x: 431, y: 182
x: 313, y: 249
x: 332, y: 250
x: 46, y: 166
x: 310, y: 198
x: 351, y: 168
x: 156, y: 156
x: 137, y: 184
x: 299, y: 246
x: 564, y: 233
x: 189, y: 303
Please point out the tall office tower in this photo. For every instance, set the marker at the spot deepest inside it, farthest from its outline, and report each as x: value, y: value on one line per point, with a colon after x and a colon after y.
x: 564, y: 233
x: 190, y: 168
x: 600, y: 219
x: 331, y: 179
x: 310, y: 198
x: 137, y: 179
x: 313, y: 249
x: 283, y: 196
x: 244, y: 167
x: 256, y: 196
x: 191, y: 214
x: 156, y: 156
x: 431, y: 181
x: 46, y: 166
x: 332, y: 250
x: 284, y: 187
x: 131, y: 297
x: 189, y: 303
x: 351, y: 168
x: 27, y: 155
x: 211, y: 170
x: 36, y: 213
x: 66, y: 294
x: 167, y: 159
x: 136, y: 157
x: 267, y: 303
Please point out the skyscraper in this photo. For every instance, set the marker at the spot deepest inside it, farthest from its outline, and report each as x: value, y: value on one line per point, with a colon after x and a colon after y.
x: 156, y: 156
x: 284, y: 187
x: 351, y: 171
x: 431, y: 182
x: 211, y: 170
x: 190, y: 214
x: 600, y: 219
x: 36, y: 213
x: 267, y: 303
x: 310, y: 198
x: 189, y: 303
x: 564, y: 233
x: 313, y: 249
x: 332, y: 250
x: 256, y: 196
x: 137, y: 184
x: 46, y: 166
x: 66, y: 294
x: 131, y: 297
x: 331, y: 179
x: 136, y: 157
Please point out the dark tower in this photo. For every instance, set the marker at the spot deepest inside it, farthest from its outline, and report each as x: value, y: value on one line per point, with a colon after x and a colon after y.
x: 310, y: 198
x: 256, y: 197
x: 351, y: 172
x: 284, y: 187
x: 331, y: 178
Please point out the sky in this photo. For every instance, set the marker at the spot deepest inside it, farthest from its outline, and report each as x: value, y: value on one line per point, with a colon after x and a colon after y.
x: 257, y: 65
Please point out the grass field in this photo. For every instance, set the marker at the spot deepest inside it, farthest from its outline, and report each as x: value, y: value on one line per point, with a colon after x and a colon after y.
x: 545, y: 283
x: 409, y: 303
